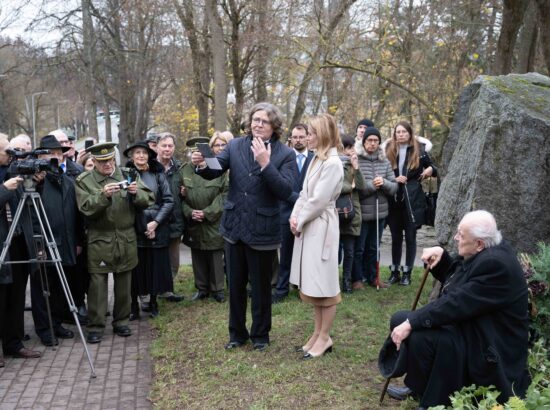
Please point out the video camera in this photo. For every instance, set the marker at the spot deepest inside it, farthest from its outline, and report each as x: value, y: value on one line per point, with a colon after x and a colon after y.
x: 27, y: 162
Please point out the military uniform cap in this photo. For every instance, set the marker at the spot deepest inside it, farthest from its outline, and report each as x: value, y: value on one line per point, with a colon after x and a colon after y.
x: 103, y: 151
x: 192, y: 142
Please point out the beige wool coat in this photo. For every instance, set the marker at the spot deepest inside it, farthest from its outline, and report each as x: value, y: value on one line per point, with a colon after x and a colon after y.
x: 314, y: 266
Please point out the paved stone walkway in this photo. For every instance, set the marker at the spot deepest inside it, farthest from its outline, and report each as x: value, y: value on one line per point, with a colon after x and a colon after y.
x: 60, y: 379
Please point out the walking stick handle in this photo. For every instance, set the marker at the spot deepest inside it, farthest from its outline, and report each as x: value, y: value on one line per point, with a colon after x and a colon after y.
x: 415, y: 303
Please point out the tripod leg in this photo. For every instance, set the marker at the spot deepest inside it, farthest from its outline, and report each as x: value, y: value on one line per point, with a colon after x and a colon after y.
x: 56, y: 258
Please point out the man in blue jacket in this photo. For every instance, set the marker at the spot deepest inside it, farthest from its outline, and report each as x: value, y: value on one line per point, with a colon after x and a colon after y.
x: 261, y: 174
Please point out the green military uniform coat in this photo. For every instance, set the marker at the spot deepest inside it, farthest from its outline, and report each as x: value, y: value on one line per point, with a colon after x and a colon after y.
x: 112, y: 243
x: 208, y: 196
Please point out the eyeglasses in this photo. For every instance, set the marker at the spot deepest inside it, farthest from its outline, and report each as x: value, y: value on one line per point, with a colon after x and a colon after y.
x: 260, y: 121
x: 219, y: 145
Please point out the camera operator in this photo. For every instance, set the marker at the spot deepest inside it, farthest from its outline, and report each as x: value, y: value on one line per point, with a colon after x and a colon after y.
x: 13, y: 278
x: 59, y: 199
x: 110, y: 209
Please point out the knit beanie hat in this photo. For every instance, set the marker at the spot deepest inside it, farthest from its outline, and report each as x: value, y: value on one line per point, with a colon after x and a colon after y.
x: 365, y: 121
x: 372, y: 131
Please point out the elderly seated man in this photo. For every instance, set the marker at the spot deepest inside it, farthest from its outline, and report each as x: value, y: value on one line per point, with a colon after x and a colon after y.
x: 476, y: 332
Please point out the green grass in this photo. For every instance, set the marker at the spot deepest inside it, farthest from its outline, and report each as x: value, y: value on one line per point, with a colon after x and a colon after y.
x: 193, y: 371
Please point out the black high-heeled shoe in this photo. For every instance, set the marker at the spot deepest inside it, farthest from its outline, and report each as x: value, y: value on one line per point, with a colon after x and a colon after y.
x: 309, y: 356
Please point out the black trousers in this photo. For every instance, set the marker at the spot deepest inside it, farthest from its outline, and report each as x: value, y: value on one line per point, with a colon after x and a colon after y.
x: 57, y: 301
x: 249, y: 265
x: 14, y: 325
x: 287, y: 247
x: 79, y: 279
x: 398, y: 222
x: 435, y: 362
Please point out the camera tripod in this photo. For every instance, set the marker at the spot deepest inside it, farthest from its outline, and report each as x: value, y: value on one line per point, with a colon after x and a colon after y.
x: 32, y: 199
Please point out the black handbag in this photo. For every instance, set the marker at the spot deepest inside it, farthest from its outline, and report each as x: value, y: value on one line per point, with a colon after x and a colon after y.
x: 430, y: 193
x: 345, y: 208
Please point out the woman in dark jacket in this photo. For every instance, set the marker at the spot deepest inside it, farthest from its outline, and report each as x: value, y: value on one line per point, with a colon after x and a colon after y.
x: 350, y: 230
x: 410, y: 164
x: 153, y: 274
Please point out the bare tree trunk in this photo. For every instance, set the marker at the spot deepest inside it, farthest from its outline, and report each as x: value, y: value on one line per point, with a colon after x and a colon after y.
x: 89, y: 64
x: 200, y: 60
x: 107, y: 114
x: 217, y: 45
x: 512, y: 16
x: 300, y: 107
x: 262, y: 7
x: 544, y: 30
x: 527, y: 44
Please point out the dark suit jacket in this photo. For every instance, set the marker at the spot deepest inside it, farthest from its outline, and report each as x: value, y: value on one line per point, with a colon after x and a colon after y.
x: 484, y: 302
x: 251, y: 209
x: 298, y: 181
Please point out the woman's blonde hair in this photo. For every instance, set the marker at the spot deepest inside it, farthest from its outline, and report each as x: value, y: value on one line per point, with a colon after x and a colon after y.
x: 392, y: 149
x: 225, y: 136
x: 328, y: 136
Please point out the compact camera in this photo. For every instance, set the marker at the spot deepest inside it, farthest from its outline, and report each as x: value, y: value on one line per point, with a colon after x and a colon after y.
x: 123, y: 184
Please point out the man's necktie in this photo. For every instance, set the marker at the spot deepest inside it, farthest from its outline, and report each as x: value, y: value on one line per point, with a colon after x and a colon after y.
x: 300, y: 162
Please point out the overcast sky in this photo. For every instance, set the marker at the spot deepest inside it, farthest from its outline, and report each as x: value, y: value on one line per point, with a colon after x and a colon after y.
x: 18, y: 14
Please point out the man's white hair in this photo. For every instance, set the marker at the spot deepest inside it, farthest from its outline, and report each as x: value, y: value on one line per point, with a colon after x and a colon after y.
x: 58, y: 134
x: 482, y: 225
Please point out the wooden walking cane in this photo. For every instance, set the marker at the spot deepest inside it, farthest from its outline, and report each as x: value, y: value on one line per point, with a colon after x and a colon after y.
x: 418, y: 293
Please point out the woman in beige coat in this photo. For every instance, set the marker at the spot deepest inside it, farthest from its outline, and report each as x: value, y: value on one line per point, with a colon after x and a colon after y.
x: 314, y: 222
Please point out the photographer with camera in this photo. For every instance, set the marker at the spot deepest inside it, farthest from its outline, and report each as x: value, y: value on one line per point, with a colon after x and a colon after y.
x: 108, y: 196
x: 59, y: 198
x: 13, y: 278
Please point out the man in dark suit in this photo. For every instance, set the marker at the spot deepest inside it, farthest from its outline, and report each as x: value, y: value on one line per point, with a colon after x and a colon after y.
x: 262, y: 171
x: 303, y: 158
x: 476, y: 332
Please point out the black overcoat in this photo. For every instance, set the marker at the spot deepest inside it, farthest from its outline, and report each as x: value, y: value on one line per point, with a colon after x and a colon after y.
x: 484, y: 302
x: 5, y: 271
x: 59, y: 198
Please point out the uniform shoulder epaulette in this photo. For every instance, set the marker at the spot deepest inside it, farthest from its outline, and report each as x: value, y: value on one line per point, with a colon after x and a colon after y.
x: 83, y: 175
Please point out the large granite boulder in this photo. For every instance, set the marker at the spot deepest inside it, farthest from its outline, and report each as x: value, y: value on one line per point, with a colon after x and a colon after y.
x: 497, y: 157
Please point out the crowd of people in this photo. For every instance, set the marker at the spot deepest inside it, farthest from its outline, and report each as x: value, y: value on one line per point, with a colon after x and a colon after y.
x: 259, y: 217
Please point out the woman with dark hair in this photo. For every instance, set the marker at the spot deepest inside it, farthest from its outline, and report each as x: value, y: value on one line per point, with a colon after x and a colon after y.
x: 410, y: 164
x: 314, y: 223
x: 153, y: 274
x: 350, y: 229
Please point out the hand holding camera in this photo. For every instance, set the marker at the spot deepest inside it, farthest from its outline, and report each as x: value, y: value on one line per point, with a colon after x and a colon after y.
x: 111, y: 188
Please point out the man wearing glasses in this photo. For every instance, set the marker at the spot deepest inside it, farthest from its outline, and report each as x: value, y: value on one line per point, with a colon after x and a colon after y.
x: 262, y: 174
x: 303, y: 158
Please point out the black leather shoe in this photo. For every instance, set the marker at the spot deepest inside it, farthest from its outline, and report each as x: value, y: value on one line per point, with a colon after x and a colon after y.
x: 134, y: 316
x: 399, y: 393
x: 123, y: 331
x: 199, y: 295
x: 260, y: 346
x: 309, y: 356
x: 94, y: 337
x: 47, y: 340
x: 277, y: 299
x: 233, y: 345
x: 174, y: 298
x: 219, y: 297
x: 63, y: 333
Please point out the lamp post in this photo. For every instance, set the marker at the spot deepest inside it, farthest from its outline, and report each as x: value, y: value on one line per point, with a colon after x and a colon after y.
x: 33, y: 117
x: 58, y: 118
